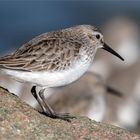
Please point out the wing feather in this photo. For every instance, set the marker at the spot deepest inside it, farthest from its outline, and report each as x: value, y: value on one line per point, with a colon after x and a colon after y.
x: 45, y: 52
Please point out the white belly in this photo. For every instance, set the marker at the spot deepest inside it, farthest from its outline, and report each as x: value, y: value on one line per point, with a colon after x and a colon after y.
x: 51, y: 79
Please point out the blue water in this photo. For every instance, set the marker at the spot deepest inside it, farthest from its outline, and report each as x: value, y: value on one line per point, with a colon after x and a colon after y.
x: 20, y: 21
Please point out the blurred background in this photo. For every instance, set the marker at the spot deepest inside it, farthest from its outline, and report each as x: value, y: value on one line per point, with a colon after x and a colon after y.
x: 90, y: 96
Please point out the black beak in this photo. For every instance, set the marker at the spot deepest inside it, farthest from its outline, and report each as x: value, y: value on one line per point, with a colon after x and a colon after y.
x: 113, y: 91
x: 107, y: 48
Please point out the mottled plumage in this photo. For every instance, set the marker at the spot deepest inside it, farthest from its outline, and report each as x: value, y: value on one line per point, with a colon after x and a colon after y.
x: 51, y: 51
x: 55, y: 59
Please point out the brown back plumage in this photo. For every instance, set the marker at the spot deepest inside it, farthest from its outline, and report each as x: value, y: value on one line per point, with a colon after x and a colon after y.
x: 49, y: 51
x: 45, y: 52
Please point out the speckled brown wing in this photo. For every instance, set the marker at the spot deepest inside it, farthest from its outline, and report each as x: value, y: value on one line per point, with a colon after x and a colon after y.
x: 43, y: 54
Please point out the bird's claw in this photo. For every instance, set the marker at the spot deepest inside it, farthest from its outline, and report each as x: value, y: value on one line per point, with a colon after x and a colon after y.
x: 65, y: 116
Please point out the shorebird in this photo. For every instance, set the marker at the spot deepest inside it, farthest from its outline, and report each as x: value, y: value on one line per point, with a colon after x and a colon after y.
x: 55, y: 59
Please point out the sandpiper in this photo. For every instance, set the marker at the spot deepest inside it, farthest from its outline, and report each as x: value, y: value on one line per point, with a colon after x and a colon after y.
x: 55, y: 59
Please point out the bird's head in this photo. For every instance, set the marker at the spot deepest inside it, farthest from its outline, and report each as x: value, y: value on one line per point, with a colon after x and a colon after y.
x: 97, y: 39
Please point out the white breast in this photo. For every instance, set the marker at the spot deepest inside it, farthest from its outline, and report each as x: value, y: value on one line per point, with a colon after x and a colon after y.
x: 52, y: 79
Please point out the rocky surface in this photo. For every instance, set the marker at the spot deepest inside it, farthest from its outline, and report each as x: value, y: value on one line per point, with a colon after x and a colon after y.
x: 19, y: 121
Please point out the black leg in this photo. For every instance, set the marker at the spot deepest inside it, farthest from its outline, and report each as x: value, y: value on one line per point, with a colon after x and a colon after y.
x: 33, y: 91
x: 41, y: 94
x: 35, y: 94
x: 52, y: 113
x: 47, y: 110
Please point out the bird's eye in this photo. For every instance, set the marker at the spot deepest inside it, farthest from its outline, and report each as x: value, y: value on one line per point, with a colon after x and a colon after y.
x: 98, y: 36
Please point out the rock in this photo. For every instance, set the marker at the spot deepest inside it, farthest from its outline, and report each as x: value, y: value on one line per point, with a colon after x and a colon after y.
x: 19, y: 121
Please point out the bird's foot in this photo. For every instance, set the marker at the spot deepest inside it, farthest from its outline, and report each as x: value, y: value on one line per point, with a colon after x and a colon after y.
x: 65, y: 117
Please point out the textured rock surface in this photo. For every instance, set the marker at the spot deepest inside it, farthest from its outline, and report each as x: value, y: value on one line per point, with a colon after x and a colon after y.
x: 19, y: 121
